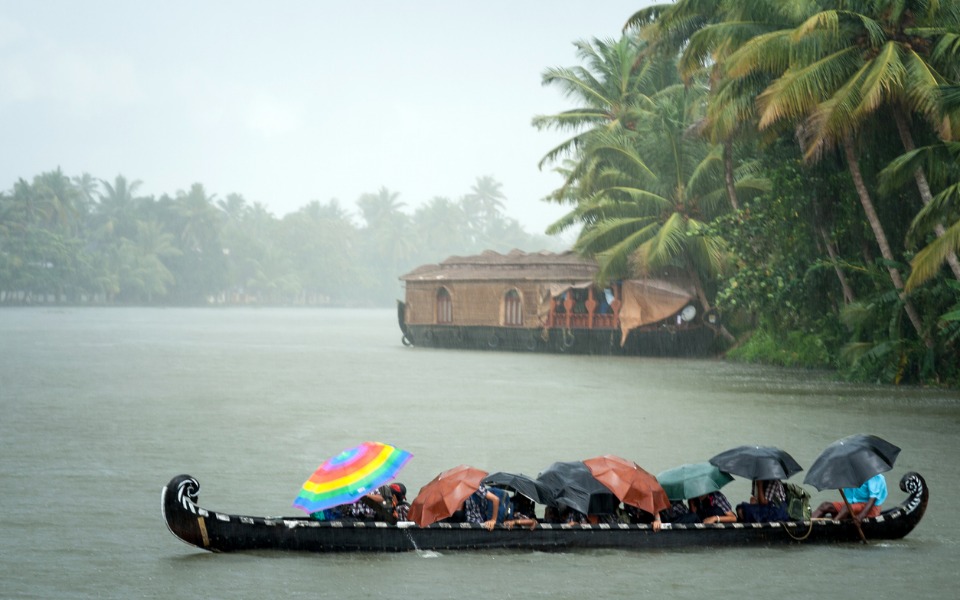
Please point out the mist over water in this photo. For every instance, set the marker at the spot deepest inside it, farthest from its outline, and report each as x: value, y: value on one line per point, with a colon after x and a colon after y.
x: 101, y: 407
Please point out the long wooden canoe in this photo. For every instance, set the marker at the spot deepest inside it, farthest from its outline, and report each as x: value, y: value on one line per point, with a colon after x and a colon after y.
x: 223, y: 532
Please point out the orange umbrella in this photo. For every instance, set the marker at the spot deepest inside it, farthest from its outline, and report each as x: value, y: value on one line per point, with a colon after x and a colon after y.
x: 443, y: 495
x: 629, y: 482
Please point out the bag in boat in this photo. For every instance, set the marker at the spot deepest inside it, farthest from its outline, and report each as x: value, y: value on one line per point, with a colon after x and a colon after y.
x: 798, y: 502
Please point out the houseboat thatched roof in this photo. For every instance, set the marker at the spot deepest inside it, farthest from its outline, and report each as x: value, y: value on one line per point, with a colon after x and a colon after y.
x: 515, y: 266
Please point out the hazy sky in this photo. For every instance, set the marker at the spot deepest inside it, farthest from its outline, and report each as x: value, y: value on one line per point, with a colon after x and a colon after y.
x: 290, y: 101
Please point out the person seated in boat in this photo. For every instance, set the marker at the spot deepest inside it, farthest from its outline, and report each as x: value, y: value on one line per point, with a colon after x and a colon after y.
x: 603, y: 519
x: 572, y: 516
x: 678, y: 512
x: 360, y: 510
x: 387, y: 503
x: 479, y: 504
x: 865, y: 501
x: 523, y: 512
x: 390, y: 502
x: 551, y: 514
x: 639, y: 516
x: 767, y: 503
x: 713, y: 508
x: 401, y: 506
x: 334, y: 513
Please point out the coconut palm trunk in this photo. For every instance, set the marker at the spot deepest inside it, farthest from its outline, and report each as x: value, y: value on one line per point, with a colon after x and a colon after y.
x: 881, y: 237
x: 704, y: 302
x: 848, y: 295
x: 728, y: 173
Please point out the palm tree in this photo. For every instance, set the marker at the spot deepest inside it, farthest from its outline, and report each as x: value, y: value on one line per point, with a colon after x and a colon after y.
x: 61, y: 198
x: 485, y: 200
x: 612, y: 89
x: 201, y: 270
x: 198, y: 218
x: 439, y: 226
x: 145, y: 270
x: 835, y: 71
x: 386, y: 238
x: 116, y: 210
x: 380, y: 209
x: 646, y: 196
x: 704, y: 34
x: 87, y: 187
x: 235, y: 207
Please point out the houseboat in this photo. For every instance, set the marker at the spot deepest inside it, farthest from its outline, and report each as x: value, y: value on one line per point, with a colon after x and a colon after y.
x: 551, y: 302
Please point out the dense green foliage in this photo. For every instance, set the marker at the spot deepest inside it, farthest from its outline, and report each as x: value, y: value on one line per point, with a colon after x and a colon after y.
x: 804, y: 176
x: 85, y: 241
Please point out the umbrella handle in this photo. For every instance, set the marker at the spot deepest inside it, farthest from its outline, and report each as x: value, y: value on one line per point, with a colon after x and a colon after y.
x: 856, y: 522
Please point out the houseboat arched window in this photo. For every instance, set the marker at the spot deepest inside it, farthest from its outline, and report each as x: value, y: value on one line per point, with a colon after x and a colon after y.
x: 444, y: 306
x: 512, y: 309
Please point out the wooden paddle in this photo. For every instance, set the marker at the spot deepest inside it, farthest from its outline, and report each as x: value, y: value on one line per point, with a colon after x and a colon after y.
x: 856, y: 521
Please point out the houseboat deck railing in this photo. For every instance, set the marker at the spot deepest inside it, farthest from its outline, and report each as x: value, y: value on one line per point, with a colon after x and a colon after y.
x: 566, y: 314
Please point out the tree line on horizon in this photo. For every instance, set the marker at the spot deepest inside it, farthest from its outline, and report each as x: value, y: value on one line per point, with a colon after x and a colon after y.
x: 799, y: 160
x: 82, y: 240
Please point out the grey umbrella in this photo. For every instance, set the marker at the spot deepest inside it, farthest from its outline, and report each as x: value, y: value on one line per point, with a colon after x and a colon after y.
x: 757, y: 462
x: 522, y: 484
x: 573, y: 485
x: 849, y: 462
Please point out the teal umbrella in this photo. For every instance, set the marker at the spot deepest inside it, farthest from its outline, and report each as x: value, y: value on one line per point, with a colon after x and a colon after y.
x: 692, y: 480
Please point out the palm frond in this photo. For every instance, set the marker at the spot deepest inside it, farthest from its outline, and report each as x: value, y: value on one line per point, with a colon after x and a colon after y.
x: 927, y: 263
x: 799, y: 90
x: 944, y: 207
x: 646, y: 16
x: 767, y: 54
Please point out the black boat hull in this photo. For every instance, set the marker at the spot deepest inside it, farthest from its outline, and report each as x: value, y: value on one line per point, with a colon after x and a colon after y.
x: 672, y: 342
x: 221, y: 532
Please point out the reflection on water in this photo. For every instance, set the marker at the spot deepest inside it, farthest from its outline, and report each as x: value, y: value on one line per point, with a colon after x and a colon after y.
x: 101, y: 407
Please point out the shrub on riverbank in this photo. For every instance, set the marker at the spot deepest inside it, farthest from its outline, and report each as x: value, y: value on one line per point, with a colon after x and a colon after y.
x: 789, y: 349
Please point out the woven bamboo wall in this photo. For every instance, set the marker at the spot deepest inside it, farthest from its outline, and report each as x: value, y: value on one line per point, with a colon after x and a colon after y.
x: 474, y: 303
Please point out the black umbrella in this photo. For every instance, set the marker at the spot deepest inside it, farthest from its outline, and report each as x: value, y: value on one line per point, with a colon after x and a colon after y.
x: 757, y: 462
x: 851, y: 461
x: 522, y: 484
x: 574, y: 486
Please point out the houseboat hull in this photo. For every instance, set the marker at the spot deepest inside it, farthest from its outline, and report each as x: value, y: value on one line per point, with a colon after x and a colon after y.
x: 695, y: 341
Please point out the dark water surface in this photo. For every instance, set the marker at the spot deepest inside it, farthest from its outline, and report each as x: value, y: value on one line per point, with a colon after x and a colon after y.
x: 99, y: 408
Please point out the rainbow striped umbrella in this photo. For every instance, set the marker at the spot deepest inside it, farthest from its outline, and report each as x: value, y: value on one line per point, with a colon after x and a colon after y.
x: 350, y: 475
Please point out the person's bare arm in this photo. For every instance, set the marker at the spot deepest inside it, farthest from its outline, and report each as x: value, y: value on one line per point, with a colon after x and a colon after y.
x: 495, y: 500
